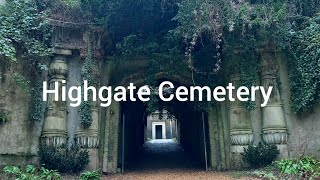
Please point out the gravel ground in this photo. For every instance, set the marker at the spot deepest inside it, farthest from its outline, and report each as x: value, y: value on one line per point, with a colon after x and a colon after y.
x: 163, y: 154
x: 174, y: 175
x: 166, y: 160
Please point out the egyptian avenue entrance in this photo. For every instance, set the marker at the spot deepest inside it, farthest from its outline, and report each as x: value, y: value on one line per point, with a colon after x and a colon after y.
x: 185, y: 148
x: 174, y: 144
x: 130, y: 145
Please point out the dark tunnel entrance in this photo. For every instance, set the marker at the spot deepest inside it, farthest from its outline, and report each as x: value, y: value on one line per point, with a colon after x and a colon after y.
x: 180, y: 144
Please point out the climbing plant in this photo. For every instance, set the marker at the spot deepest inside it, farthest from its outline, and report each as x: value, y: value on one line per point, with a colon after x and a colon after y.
x: 287, y: 25
x: 85, y: 108
x: 168, y: 32
x: 305, y: 65
x: 25, y: 33
x: 23, y: 29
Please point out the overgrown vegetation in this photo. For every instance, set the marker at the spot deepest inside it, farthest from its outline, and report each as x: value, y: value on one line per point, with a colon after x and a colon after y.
x: 170, y: 31
x: 30, y: 172
x: 25, y: 39
x: 94, y: 175
x: 217, y: 27
x: 304, y: 167
x: 305, y: 66
x: 261, y: 155
x: 69, y: 160
x: 85, y: 108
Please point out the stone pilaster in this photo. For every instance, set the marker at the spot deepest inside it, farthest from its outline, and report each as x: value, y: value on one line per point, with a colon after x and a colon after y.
x: 274, y: 128
x: 112, y: 130
x: 241, y: 134
x: 54, y: 130
x: 89, y: 137
x: 217, y: 156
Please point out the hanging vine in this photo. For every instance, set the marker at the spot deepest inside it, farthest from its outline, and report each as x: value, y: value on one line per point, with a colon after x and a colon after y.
x: 304, y: 66
x: 25, y: 40
x: 150, y: 32
x: 86, y: 106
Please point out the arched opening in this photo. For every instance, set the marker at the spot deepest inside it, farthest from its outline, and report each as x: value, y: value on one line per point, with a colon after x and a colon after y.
x: 173, y: 136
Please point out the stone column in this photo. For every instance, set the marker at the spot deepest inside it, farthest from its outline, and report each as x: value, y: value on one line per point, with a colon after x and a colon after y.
x: 241, y: 134
x: 89, y: 137
x: 274, y: 128
x: 54, y: 130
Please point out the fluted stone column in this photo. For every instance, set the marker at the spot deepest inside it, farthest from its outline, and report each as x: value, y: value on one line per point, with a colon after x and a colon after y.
x: 89, y: 137
x: 54, y: 130
x: 241, y: 134
x: 274, y: 128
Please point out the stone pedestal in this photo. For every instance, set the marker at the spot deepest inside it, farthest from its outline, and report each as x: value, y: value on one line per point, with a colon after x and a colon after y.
x: 241, y: 134
x: 88, y: 138
x: 274, y: 129
x: 54, y: 130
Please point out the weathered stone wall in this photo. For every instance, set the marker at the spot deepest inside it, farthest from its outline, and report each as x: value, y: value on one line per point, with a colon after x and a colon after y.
x: 19, y: 137
x: 2, y: 2
x: 304, y: 127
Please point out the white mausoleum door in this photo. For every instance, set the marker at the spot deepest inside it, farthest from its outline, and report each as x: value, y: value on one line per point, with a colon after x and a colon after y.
x: 163, y: 127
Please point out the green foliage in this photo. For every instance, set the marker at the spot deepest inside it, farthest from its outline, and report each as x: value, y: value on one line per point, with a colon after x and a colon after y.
x: 25, y: 33
x: 305, y: 167
x: 94, y: 175
x: 71, y: 160
x: 304, y: 66
x: 157, y: 29
x: 3, y: 117
x: 260, y: 155
x: 265, y: 174
x: 71, y: 3
x: 248, y: 74
x: 37, y: 101
x: 246, y: 64
x: 30, y: 172
x: 22, y: 82
x: 24, y: 30
x: 85, y: 108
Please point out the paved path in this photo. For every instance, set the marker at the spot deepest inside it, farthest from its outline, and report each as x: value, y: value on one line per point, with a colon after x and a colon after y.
x: 166, y: 160
x: 163, y: 154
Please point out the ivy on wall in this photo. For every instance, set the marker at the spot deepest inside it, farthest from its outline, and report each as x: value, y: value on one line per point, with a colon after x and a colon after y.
x: 168, y: 31
x: 85, y: 108
x: 25, y: 32
x: 305, y: 65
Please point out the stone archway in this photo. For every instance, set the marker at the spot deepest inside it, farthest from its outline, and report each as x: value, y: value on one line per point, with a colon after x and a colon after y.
x: 209, y: 134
